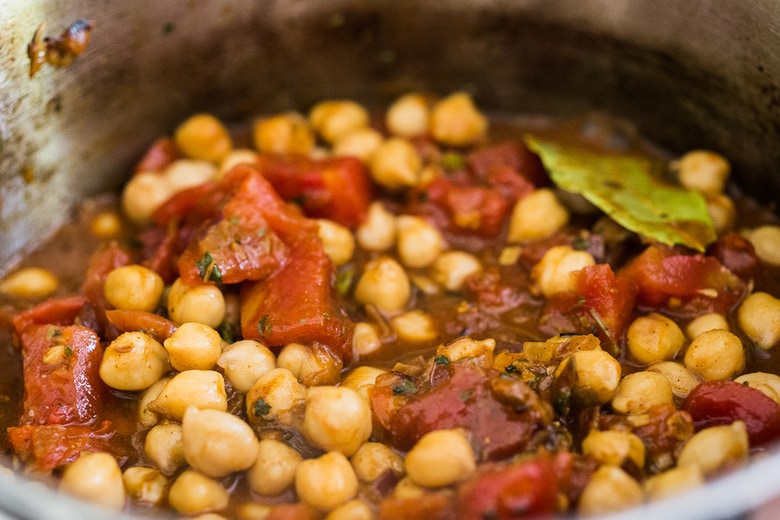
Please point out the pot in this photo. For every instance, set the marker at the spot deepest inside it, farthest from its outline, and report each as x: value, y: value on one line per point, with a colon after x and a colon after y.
x: 688, y: 74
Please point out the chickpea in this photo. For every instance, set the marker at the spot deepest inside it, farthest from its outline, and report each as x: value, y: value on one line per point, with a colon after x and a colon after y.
x: 145, y: 416
x: 767, y: 384
x: 361, y: 143
x: 95, y: 477
x: 336, y: 419
x: 715, y: 355
x: 408, y: 116
x: 703, y: 170
x: 722, y: 212
x: 614, y: 447
x: 133, y: 361
x: 193, y: 346
x: 145, y: 484
x: 419, y: 243
x: 134, y: 287
x: 353, y: 510
x: 194, y: 493
x: 105, y: 224
x: 594, y: 376
x: 244, y: 362
x: 414, y: 326
x: 610, y: 489
x: 217, y: 443
x: 384, y: 283
x: 302, y: 361
x: 654, y: 338
x: 453, y: 268
x: 186, y: 173
x: 373, y: 459
x: 337, y: 241
x: 535, y: 216
x: 705, y: 322
x: 440, y: 458
x: 455, y: 121
x: 200, y: 388
x: 377, y: 232
x: 283, y: 134
x: 234, y: 158
x: 715, y: 448
x: 468, y: 348
x: 365, y: 339
x: 326, y: 482
x: 143, y: 194
x: 552, y: 274
x: 759, y: 317
x: 273, y: 472
x: 361, y: 379
x: 408, y: 489
x: 198, y: 303
x: 275, y: 396
x: 640, y: 391
x: 203, y: 136
x: 163, y: 446
x: 335, y: 119
x: 30, y: 282
x: 673, y: 481
x: 681, y: 379
x: 766, y: 241
x: 396, y: 164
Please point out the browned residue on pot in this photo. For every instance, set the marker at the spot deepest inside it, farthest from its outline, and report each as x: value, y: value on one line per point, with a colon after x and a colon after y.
x: 61, y: 51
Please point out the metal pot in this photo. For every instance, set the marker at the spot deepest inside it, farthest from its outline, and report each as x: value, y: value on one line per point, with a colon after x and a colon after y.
x: 689, y: 74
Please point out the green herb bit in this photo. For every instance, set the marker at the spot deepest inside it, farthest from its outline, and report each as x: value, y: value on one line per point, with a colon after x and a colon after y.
x: 441, y: 360
x: 264, y: 326
x: 68, y: 351
x: 466, y: 395
x: 262, y: 408
x: 453, y: 162
x: 344, y: 281
x: 208, y: 270
x: 406, y: 387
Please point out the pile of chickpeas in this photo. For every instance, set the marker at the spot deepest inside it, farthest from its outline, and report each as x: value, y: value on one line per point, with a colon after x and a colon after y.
x: 193, y: 445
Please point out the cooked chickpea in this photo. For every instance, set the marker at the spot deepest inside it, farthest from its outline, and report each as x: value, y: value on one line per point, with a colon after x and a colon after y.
x: 552, y: 274
x: 134, y: 287
x: 200, y: 388
x: 408, y: 489
x: 186, y: 173
x: 334, y: 119
x: 672, y: 482
x: 275, y: 396
x: 105, y: 224
x: 681, y: 379
x: 193, y: 346
x: 361, y: 143
x: 144, y: 484
x: 716, y: 448
x: 440, y: 458
x: 705, y: 322
x: 640, y: 391
x: 365, y: 339
x: 337, y: 241
x: 203, y: 303
x: 353, y: 510
x: 759, y: 317
x: 244, y: 361
x: 535, y: 216
x: 326, y: 482
x: 361, y: 379
x: 274, y: 469
x: 95, y: 477
x: 654, y: 338
x: 408, y: 116
x: 384, y: 283
x: 419, y: 243
x: 163, y: 447
x: 610, y: 489
x: 414, y: 326
x: 283, y: 134
x: 30, y: 282
x: 143, y: 194
x: 766, y: 241
x: 203, y: 136
x: 336, y: 419
x: 234, y: 158
x: 396, y: 164
x: 193, y: 493
x: 217, y: 443
x: 377, y: 232
x: 455, y: 121
x: 594, y: 374
x: 715, y: 355
x: 722, y: 212
x: 468, y: 348
x: 767, y: 384
x: 614, y: 447
x: 703, y: 170
x: 453, y: 268
x: 146, y: 416
x: 133, y: 361
x: 302, y: 361
x: 373, y: 459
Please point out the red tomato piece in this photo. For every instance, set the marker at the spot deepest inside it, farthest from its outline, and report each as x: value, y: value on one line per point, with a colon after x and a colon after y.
x: 714, y: 403
x: 57, y: 311
x: 475, y: 210
x: 609, y: 300
x: 337, y: 188
x: 102, y: 263
x: 512, y: 154
x: 738, y: 255
x: 152, y: 324
x: 159, y: 156
x: 182, y: 203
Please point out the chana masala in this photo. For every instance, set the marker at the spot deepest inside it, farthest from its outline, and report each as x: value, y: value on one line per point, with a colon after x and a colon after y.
x: 418, y: 312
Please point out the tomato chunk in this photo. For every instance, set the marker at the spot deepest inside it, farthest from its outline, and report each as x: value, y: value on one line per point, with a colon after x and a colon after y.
x: 152, y: 324
x: 475, y: 210
x: 58, y: 311
x: 159, y: 156
x: 101, y: 263
x: 514, y: 155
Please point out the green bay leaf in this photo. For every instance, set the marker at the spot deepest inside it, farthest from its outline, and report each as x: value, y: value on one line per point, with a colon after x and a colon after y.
x: 629, y: 189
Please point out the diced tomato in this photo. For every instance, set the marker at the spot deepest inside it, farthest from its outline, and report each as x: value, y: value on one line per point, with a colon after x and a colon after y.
x: 431, y: 506
x: 713, y: 403
x: 473, y: 210
x: 57, y: 311
x: 738, y: 255
x: 102, y: 263
x: 609, y: 299
x: 512, y: 154
x: 510, y: 184
x: 152, y: 324
x: 159, y: 156
x: 182, y: 203
x: 337, y: 188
